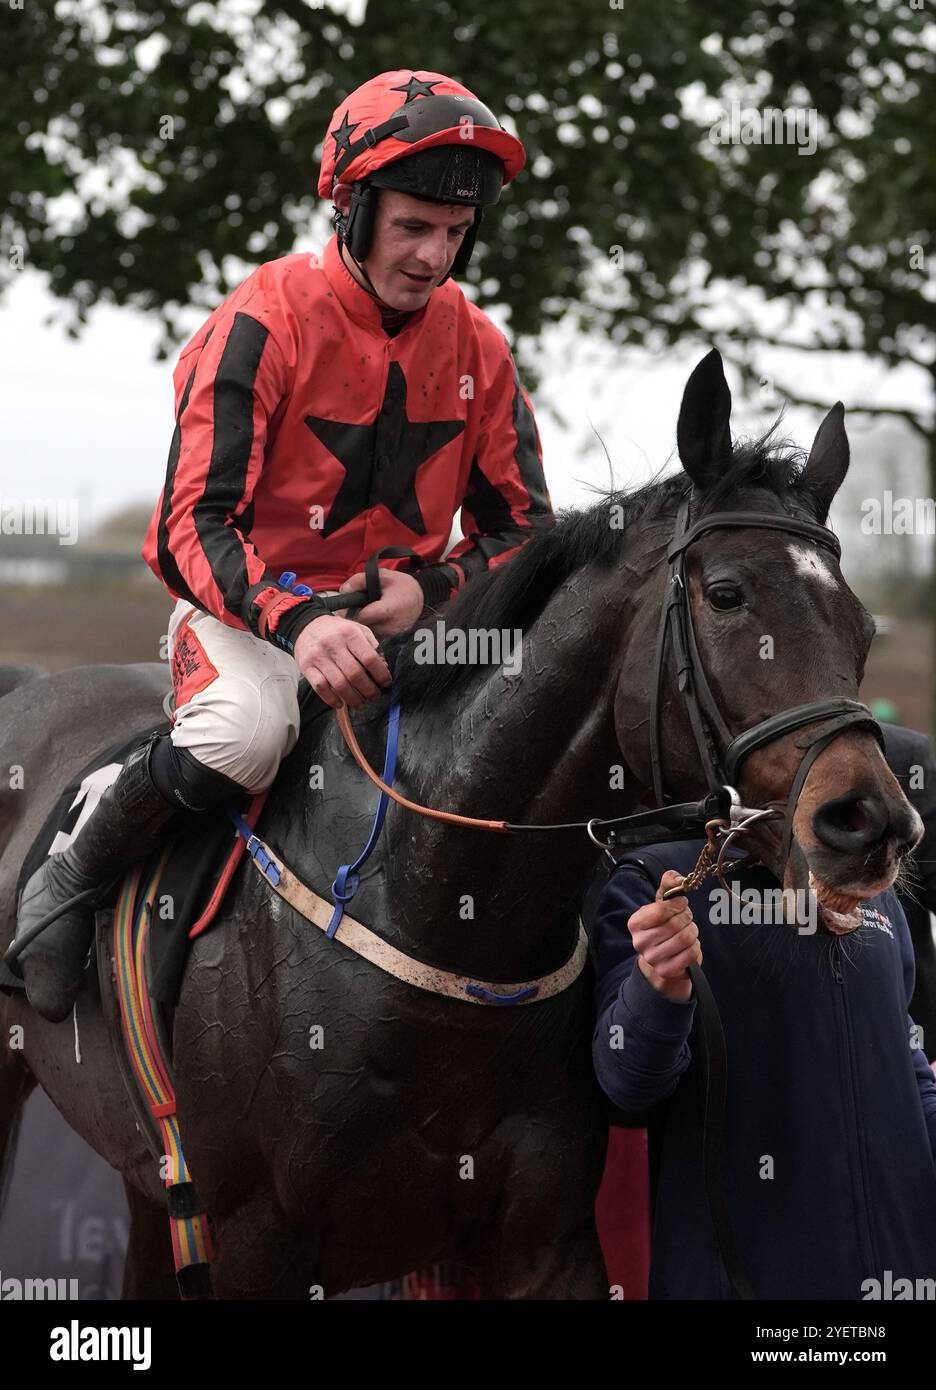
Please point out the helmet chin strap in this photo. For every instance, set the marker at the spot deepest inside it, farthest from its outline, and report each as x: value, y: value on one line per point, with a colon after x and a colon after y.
x: 370, y: 288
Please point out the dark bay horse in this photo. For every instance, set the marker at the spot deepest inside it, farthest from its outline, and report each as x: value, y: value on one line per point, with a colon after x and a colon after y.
x: 424, y: 1129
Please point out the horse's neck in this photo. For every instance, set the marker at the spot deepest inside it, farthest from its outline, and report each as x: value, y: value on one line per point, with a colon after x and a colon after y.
x: 535, y: 748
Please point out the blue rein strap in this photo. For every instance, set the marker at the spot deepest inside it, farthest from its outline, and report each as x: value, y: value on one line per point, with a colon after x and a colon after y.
x: 348, y: 880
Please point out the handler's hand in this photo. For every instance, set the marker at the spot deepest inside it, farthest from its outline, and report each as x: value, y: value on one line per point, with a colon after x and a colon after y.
x: 666, y: 940
x: 340, y: 661
x: 400, y: 604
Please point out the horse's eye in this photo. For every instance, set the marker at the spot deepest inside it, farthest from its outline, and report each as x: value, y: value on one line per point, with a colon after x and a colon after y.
x: 724, y: 597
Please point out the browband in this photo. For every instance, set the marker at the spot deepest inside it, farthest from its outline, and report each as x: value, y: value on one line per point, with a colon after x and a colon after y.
x: 714, y: 520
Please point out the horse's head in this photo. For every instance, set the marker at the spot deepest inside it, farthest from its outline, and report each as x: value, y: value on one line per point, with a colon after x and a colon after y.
x: 775, y: 627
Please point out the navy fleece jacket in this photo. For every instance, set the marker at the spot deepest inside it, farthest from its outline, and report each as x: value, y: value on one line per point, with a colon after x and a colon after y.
x: 831, y: 1108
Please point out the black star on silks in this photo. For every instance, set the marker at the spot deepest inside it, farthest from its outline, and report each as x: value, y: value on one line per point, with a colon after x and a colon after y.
x: 381, y: 460
x: 414, y: 88
x: 342, y: 134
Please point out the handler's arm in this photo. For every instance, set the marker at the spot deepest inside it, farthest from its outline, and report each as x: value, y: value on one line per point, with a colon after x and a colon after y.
x: 640, y: 1046
x: 926, y: 1081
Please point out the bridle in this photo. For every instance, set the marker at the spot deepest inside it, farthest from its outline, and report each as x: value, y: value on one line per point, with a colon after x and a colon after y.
x: 721, y: 753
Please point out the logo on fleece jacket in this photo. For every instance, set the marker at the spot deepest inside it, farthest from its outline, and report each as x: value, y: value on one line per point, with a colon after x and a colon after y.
x: 871, y: 917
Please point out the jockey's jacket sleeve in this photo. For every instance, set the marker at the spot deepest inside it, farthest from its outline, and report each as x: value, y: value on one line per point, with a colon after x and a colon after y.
x: 507, y: 501
x: 227, y: 395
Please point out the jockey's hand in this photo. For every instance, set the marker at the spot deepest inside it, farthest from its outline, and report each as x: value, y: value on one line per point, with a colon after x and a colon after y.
x: 398, y: 607
x: 340, y: 661
x: 666, y: 940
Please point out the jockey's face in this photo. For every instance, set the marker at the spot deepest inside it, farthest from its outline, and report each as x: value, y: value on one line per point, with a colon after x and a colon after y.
x: 413, y: 247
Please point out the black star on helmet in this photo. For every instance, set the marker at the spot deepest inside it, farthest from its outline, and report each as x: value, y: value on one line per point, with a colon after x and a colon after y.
x: 414, y: 88
x: 342, y: 134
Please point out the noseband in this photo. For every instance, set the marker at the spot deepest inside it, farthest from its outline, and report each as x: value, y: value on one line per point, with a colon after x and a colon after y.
x: 721, y: 753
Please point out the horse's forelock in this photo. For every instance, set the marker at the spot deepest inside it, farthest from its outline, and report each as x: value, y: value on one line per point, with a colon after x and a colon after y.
x: 767, y: 463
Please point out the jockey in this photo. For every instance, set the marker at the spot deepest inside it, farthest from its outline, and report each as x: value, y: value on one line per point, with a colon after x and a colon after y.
x: 331, y: 407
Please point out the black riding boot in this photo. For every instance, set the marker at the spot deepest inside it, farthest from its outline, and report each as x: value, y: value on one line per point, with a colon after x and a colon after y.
x: 124, y: 826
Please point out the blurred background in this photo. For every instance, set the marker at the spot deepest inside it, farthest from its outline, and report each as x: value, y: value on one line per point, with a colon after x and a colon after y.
x: 757, y: 176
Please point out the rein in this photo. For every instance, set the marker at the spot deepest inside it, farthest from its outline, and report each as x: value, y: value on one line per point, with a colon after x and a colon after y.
x: 722, y: 804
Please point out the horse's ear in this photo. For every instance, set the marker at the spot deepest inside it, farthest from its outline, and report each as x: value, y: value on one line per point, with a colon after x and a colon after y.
x: 702, y: 433
x: 828, y: 461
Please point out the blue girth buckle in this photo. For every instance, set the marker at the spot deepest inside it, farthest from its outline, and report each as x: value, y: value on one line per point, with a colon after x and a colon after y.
x: 489, y: 997
x: 263, y: 861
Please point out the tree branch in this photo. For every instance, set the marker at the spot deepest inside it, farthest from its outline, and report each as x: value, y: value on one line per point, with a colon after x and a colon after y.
x: 740, y: 335
x: 795, y: 398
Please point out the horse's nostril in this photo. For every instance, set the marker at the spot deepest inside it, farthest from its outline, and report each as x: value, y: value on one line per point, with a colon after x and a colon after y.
x: 851, y: 822
x: 855, y: 817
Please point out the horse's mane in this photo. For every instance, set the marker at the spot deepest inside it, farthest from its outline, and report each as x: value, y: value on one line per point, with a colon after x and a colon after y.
x: 512, y: 596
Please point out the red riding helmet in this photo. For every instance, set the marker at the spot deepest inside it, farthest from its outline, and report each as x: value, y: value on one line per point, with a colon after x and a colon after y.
x: 421, y: 133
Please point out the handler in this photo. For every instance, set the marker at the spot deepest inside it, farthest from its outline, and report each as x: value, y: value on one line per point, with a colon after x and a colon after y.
x: 830, y: 1126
